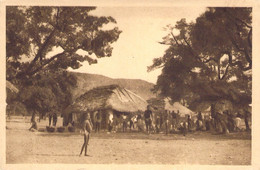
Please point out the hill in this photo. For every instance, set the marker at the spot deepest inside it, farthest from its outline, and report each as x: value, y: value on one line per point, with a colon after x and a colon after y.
x: 87, y: 81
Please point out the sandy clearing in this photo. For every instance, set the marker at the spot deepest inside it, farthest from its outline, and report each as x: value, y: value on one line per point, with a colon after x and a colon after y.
x: 23, y: 146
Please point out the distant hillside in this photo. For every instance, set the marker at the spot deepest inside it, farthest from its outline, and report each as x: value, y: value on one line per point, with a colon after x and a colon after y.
x: 87, y: 81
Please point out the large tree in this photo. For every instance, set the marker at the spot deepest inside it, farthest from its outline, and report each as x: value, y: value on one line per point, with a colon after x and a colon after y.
x: 33, y: 32
x: 209, y: 60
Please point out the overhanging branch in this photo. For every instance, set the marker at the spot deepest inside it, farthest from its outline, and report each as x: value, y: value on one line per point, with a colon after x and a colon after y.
x: 237, y: 63
x: 41, y: 49
x: 46, y: 63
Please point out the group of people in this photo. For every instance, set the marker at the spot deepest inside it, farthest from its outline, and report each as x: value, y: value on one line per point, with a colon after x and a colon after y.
x: 146, y: 121
x: 221, y: 122
x: 164, y: 122
x: 172, y: 122
x: 124, y: 121
x: 53, y: 118
x: 167, y: 121
x: 226, y: 122
x: 155, y: 123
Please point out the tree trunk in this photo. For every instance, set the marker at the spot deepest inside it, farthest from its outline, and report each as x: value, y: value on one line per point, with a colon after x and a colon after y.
x: 213, y: 110
x: 213, y: 115
x: 246, y: 120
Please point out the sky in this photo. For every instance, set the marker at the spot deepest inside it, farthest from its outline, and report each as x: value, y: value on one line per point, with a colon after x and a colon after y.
x: 142, y: 29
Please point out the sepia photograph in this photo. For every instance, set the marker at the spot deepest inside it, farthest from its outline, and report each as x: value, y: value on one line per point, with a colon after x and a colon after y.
x: 153, y: 85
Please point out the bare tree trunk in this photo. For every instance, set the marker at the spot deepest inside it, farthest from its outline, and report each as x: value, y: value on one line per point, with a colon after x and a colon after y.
x: 246, y: 120
x: 213, y: 115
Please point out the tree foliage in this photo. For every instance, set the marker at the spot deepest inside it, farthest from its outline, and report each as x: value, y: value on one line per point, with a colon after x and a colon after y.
x: 33, y: 32
x: 209, y: 60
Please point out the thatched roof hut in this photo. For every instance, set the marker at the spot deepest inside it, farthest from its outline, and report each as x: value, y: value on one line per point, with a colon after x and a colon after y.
x: 111, y: 97
x: 176, y: 106
x: 161, y: 105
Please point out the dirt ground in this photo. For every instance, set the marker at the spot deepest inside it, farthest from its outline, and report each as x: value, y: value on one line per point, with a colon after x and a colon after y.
x: 23, y: 146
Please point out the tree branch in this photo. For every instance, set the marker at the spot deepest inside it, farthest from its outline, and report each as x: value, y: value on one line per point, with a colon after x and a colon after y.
x: 236, y: 18
x: 248, y: 58
x: 57, y: 16
x: 175, y: 39
x: 192, y: 51
x: 249, y: 38
x: 164, y: 43
x: 41, y: 49
x: 233, y: 41
x: 225, y: 73
x: 218, y: 71
x: 243, y: 22
x: 210, y: 59
x: 190, y: 48
x: 244, y: 50
x: 237, y: 63
x: 46, y: 63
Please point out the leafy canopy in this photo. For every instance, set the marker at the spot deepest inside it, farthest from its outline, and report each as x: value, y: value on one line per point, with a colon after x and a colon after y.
x: 33, y: 32
x: 209, y: 60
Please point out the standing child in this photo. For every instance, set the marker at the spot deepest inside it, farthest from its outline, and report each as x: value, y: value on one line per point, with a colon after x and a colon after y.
x: 110, y: 122
x: 132, y: 118
x: 50, y: 118
x: 189, y: 123
x: 166, y: 118
x: 87, y: 127
x: 124, y: 122
x: 34, y: 124
x: 98, y: 121
x: 184, y: 128
x: 55, y: 119
x: 158, y: 123
x: 148, y: 119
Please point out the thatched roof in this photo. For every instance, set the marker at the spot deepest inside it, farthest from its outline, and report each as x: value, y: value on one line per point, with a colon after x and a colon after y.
x: 165, y: 104
x: 177, y: 107
x: 109, y: 97
x: 11, y: 87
